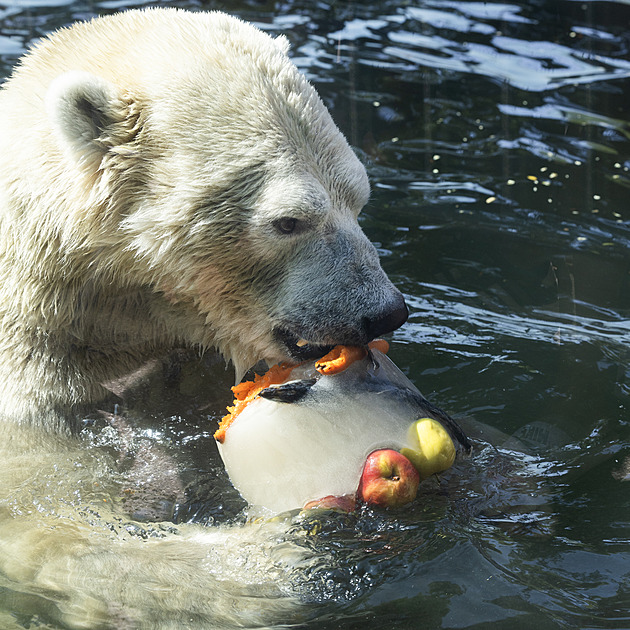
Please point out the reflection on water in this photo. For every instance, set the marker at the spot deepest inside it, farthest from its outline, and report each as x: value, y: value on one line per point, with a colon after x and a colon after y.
x: 497, y: 138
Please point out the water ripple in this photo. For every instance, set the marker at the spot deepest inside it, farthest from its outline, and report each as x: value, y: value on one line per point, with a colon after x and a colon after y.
x: 484, y: 325
x: 532, y: 66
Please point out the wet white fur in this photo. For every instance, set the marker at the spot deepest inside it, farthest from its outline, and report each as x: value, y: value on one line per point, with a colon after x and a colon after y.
x: 113, y: 134
x: 143, y: 159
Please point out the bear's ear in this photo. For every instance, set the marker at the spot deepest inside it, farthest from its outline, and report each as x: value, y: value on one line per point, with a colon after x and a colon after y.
x: 85, y: 112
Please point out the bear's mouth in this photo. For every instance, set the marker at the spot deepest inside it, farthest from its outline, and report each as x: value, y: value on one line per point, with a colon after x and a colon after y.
x: 300, y: 349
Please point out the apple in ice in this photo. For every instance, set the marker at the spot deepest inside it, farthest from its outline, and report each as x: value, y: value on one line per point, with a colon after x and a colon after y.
x: 433, y: 450
x: 342, y: 503
x: 389, y: 479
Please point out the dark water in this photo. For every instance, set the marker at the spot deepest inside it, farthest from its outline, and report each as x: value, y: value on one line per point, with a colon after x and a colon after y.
x: 497, y: 140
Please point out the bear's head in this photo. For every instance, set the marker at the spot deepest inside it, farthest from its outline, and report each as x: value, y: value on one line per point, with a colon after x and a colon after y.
x: 223, y: 188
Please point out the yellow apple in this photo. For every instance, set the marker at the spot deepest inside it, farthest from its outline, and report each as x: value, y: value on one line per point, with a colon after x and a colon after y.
x: 433, y: 450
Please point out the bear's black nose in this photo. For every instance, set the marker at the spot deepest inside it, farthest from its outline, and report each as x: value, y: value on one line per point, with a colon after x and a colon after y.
x: 391, y: 318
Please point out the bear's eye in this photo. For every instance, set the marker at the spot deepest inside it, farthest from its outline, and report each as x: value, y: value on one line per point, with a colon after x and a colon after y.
x: 286, y: 225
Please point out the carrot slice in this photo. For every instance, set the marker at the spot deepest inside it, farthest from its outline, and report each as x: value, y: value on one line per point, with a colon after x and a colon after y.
x: 379, y: 344
x: 339, y: 358
x: 245, y: 392
x: 342, y: 357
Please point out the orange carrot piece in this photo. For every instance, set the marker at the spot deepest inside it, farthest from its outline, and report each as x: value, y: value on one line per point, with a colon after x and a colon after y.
x: 379, y: 344
x: 247, y: 391
x: 339, y: 358
x: 342, y: 357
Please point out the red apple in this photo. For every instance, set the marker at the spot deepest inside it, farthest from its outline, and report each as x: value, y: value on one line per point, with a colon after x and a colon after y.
x: 344, y: 503
x: 389, y: 479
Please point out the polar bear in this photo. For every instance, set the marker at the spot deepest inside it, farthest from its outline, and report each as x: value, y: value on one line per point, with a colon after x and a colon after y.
x: 167, y: 179
x: 170, y: 178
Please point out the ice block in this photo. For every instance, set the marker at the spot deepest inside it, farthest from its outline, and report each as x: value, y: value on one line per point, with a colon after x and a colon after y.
x: 309, y: 437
